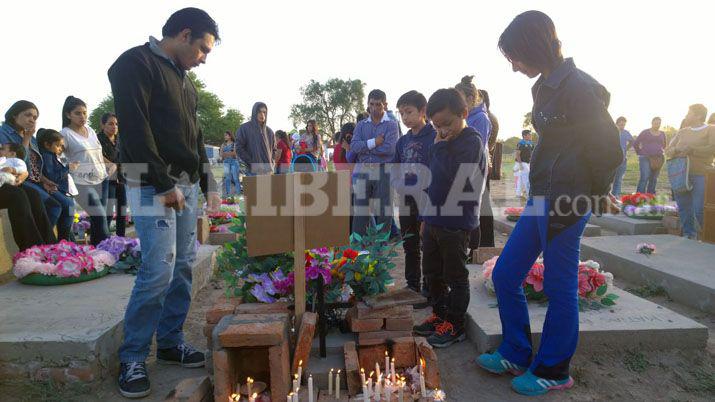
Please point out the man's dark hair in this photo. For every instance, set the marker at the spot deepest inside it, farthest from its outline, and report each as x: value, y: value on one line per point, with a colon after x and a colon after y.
x: 621, y: 119
x: 347, y: 128
x: 412, y: 98
x: 446, y: 98
x: 377, y: 95
x: 70, y: 104
x: 195, y: 19
x: 47, y: 137
x: 362, y: 116
x: 525, y: 132
x: 531, y: 39
x: 15, y: 110
x: 105, y: 117
x: 17, y: 148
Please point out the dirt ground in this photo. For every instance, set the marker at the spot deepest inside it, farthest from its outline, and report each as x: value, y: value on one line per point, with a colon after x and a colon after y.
x: 639, y: 375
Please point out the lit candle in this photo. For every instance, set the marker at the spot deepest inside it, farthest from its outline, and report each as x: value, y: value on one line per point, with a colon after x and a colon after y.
x: 439, y: 395
x: 401, y: 392
x: 249, y: 385
x: 365, y: 395
x: 369, y: 383
x: 387, y: 390
x: 362, y: 375
x: 423, y: 390
x: 378, y: 388
x: 289, y: 398
x: 392, y: 369
x: 377, y: 370
x: 235, y: 397
x: 337, y: 385
x: 387, y: 364
x: 295, y: 396
x: 330, y: 382
x: 300, y: 370
x: 295, y: 384
x: 252, y: 397
x: 310, y: 388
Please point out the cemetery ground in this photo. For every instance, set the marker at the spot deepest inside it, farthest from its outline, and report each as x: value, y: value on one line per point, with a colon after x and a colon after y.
x: 631, y: 374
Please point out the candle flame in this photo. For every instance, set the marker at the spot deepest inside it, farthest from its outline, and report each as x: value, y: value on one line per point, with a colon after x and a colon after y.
x: 422, y: 362
x: 393, y: 359
x: 295, y: 376
x: 255, y: 394
x: 331, y: 370
x: 386, y: 353
x: 250, y: 380
x: 362, y: 370
x: 300, y: 363
x: 371, y: 373
x: 338, y: 371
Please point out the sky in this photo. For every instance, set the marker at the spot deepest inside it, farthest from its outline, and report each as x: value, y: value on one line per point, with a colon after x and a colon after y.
x: 655, y: 57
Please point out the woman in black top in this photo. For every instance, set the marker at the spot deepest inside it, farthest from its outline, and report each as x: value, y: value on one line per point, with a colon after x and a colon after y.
x: 114, y: 190
x: 572, y: 168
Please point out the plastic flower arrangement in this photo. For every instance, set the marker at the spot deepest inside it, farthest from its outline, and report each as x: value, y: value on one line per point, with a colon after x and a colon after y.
x: 593, y: 284
x: 513, y: 213
x: 645, y: 248
x: 646, y: 206
x: 126, y: 251
x: 64, y: 259
x: 80, y: 224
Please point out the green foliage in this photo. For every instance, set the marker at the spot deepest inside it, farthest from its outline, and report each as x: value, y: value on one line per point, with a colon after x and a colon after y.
x: 509, y: 145
x: 212, y: 119
x: 648, y: 290
x: 105, y: 106
x: 370, y: 272
x: 331, y: 104
x: 636, y: 361
x: 526, y: 124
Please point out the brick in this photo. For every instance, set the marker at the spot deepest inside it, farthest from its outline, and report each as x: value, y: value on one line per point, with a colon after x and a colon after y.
x: 252, y: 334
x: 305, y: 340
x: 404, y: 352
x: 218, y: 311
x: 482, y: 254
x: 365, y: 312
x: 401, y: 297
x: 224, y: 375
x: 203, y: 228
x: 261, y: 308
x: 382, y: 335
x: 191, y: 390
x: 369, y: 355
x: 352, y: 368
x: 235, y: 300
x: 425, y: 351
x: 219, y: 238
x: 279, y: 361
x: 365, y: 325
x: 80, y: 374
x: 399, y: 324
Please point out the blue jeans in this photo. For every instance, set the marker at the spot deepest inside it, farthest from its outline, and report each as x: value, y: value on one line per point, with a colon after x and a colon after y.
x: 559, y: 239
x: 91, y: 199
x: 230, y: 175
x: 162, y: 291
x: 691, y: 205
x: 52, y: 207
x: 620, y: 172
x: 648, y: 177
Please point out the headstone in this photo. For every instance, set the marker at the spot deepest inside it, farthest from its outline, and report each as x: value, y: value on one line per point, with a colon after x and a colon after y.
x: 683, y: 267
x: 504, y: 225
x: 624, y: 225
x: 632, y: 323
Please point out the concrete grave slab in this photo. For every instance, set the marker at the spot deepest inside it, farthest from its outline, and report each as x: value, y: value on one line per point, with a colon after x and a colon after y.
x: 684, y: 268
x: 504, y: 225
x: 632, y: 323
x: 77, y: 325
x: 624, y: 225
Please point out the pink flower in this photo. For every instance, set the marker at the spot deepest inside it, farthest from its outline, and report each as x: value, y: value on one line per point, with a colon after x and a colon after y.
x: 535, y: 277
x: 102, y: 259
x: 70, y: 267
x: 584, y: 284
x: 489, y: 267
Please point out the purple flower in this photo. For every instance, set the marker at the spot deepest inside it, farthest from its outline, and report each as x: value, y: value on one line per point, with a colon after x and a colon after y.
x: 261, y: 295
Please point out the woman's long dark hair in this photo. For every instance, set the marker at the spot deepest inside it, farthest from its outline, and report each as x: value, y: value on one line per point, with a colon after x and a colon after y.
x: 15, y: 110
x: 230, y: 134
x: 70, y: 104
x: 531, y: 39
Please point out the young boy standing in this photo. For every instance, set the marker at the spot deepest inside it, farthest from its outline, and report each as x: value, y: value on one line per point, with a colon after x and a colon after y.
x: 458, y: 166
x: 411, y: 153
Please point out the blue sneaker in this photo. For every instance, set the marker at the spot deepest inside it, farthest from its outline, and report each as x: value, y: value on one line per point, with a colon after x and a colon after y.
x: 531, y: 385
x: 497, y: 364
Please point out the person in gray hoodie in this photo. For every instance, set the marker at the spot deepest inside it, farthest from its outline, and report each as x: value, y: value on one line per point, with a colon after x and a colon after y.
x: 255, y: 142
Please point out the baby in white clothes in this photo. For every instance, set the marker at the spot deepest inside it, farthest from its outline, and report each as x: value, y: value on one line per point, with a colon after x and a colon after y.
x: 10, y: 163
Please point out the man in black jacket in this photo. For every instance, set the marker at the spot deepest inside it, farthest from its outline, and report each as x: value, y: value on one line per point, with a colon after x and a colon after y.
x: 165, y: 162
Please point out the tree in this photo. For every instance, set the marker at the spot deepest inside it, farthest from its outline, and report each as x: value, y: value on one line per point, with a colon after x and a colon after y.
x: 331, y: 104
x: 105, y: 106
x: 212, y: 120
x: 527, y: 122
x: 509, y: 145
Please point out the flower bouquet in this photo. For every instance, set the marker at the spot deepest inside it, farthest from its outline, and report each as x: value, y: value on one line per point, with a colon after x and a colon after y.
x: 645, y: 206
x: 230, y: 200
x: 126, y: 252
x: 60, y: 264
x: 593, y: 284
x: 80, y: 225
x: 222, y: 217
x: 645, y: 248
x: 513, y: 213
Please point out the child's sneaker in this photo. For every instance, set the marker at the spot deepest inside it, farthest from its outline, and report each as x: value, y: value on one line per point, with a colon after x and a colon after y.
x: 495, y: 363
x: 446, y: 334
x: 531, y: 385
x: 428, y: 327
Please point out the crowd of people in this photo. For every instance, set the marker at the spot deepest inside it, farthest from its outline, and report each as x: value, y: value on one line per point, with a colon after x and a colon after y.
x: 158, y: 167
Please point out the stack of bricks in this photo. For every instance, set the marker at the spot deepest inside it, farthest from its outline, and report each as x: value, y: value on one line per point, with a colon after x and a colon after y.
x: 251, y: 341
x: 376, y: 325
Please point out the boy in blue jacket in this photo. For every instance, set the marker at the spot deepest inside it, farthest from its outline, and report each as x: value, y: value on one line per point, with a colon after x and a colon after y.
x: 411, y: 156
x: 51, y: 147
x: 458, y: 166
